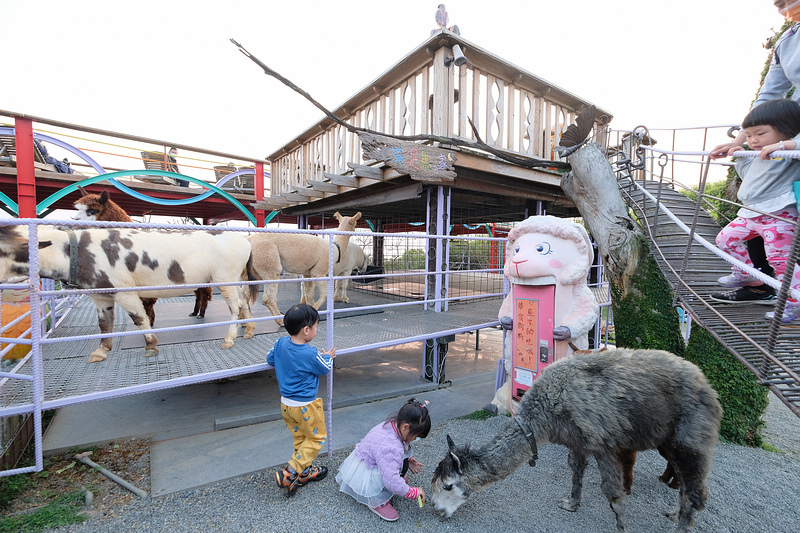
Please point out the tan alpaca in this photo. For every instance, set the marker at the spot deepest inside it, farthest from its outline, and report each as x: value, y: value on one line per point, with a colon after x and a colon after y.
x: 355, y: 259
x: 298, y: 253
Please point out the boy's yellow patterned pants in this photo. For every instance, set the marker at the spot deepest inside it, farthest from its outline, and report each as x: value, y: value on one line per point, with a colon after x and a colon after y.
x: 307, y: 425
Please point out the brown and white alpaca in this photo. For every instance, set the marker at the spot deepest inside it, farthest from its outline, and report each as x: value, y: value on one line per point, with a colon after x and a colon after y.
x: 598, y: 405
x: 100, y: 207
x: 355, y: 259
x: 298, y: 253
x: 130, y: 259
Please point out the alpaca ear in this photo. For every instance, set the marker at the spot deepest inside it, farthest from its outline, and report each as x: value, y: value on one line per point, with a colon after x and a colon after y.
x: 83, y: 191
x: 337, y: 216
x: 103, y: 198
x: 357, y: 216
x: 450, y: 444
x: 457, y: 462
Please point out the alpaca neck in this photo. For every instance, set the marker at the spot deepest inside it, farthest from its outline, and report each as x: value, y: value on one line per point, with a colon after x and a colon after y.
x: 500, y: 457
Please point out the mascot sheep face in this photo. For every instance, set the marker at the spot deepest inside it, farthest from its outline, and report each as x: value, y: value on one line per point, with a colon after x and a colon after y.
x: 548, y: 246
x: 534, y: 255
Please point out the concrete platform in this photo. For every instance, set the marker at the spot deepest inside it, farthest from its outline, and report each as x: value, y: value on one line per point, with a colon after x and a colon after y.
x: 212, y: 431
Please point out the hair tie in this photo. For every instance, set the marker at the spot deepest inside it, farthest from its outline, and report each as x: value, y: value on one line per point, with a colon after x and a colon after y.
x: 424, y: 404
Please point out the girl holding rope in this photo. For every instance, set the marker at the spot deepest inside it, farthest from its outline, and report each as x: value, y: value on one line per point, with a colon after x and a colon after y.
x: 767, y: 187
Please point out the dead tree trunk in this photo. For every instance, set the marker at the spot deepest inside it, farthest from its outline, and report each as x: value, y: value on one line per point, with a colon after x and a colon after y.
x: 644, y: 316
x: 642, y: 300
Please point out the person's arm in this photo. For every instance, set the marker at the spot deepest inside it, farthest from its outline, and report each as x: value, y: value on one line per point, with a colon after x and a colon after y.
x: 783, y: 145
x: 776, y: 84
x: 723, y: 150
x: 323, y: 361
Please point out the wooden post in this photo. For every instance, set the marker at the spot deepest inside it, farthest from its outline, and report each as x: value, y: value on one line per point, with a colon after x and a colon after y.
x: 26, y: 177
x: 442, y: 122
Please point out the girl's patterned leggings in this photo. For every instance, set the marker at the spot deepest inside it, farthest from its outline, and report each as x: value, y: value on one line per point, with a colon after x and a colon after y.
x: 777, y: 236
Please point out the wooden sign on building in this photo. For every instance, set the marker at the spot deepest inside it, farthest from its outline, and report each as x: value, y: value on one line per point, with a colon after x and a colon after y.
x: 420, y: 161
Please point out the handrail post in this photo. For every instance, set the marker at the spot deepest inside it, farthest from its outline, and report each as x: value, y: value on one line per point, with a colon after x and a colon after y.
x: 26, y: 175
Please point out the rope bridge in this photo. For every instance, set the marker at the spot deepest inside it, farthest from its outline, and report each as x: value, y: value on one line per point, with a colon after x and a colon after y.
x: 682, y: 240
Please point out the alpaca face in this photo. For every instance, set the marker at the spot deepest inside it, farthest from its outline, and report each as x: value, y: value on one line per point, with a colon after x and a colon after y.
x: 85, y: 212
x: 448, y: 486
x: 448, y: 495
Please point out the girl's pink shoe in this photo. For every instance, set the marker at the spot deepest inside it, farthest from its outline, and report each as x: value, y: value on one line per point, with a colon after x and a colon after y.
x: 386, y: 511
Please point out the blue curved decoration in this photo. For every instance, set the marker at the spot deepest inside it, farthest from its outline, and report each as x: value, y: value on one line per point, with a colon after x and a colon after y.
x: 104, y: 176
x: 47, y: 202
x: 11, y: 204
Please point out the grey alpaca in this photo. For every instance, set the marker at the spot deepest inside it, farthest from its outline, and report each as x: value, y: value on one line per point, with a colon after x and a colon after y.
x: 600, y: 404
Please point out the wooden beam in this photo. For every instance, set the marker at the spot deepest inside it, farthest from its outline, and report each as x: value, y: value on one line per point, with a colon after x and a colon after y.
x: 293, y: 197
x: 309, y: 192
x: 323, y: 186
x: 344, y: 181
x: 364, y: 171
x: 277, y: 201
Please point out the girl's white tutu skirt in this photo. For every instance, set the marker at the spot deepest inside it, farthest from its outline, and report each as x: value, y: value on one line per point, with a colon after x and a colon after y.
x: 361, y: 482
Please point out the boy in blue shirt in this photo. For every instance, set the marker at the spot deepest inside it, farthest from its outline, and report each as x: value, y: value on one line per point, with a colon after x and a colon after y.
x: 298, y: 366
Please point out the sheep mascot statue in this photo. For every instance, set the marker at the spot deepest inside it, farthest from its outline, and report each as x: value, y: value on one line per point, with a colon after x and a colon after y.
x: 548, y: 247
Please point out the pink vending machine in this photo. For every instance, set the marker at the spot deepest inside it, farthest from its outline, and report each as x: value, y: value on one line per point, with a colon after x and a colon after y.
x: 533, y: 347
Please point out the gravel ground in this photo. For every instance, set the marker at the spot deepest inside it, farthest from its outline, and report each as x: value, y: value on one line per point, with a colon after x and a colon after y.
x: 750, y: 490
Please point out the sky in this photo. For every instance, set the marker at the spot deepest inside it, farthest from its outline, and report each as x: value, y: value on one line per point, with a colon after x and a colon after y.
x: 166, y: 69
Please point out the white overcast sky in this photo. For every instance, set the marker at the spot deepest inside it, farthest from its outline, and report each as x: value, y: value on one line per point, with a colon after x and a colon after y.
x: 166, y: 69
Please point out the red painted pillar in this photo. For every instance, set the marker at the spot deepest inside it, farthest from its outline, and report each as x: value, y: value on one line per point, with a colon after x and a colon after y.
x: 26, y: 177
x: 259, y: 185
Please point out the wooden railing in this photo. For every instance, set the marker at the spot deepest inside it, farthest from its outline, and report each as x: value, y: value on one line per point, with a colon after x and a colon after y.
x: 427, y: 93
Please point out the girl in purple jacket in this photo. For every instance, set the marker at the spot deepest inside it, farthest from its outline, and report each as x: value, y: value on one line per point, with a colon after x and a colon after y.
x: 376, y: 470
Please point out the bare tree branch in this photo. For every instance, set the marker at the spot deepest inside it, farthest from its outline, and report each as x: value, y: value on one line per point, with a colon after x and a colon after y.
x: 528, y: 162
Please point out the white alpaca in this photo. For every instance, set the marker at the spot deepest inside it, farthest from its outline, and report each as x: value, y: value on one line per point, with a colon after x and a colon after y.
x: 298, y: 253
x: 355, y: 259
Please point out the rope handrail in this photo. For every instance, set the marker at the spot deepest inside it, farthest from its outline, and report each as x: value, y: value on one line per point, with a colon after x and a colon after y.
x: 708, y: 306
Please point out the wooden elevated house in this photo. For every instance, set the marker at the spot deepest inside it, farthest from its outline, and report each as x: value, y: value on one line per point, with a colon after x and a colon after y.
x: 433, y: 92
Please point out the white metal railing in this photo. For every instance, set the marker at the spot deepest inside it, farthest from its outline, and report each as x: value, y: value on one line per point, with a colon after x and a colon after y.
x: 40, y: 307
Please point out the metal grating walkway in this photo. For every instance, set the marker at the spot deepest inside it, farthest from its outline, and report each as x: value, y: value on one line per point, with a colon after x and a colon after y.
x: 69, y: 379
x: 741, y: 328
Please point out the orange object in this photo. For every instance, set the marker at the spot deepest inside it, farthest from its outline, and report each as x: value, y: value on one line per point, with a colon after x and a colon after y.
x: 15, y: 303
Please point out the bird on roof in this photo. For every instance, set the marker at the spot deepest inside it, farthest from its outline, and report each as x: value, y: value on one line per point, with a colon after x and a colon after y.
x: 441, y: 17
x: 442, y: 21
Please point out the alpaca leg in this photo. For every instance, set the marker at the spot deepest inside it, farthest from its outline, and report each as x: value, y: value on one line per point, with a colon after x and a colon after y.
x: 343, y: 296
x: 627, y: 458
x: 231, y: 296
x: 196, y: 303
x: 245, y: 313
x: 322, y: 287
x: 270, y: 300
x: 150, y: 309
x: 203, y: 306
x: 105, y: 319
x: 337, y: 289
x: 131, y: 303
x: 692, y: 469
x: 670, y: 477
x: 611, y: 485
x: 306, y: 292
x: 577, y: 462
